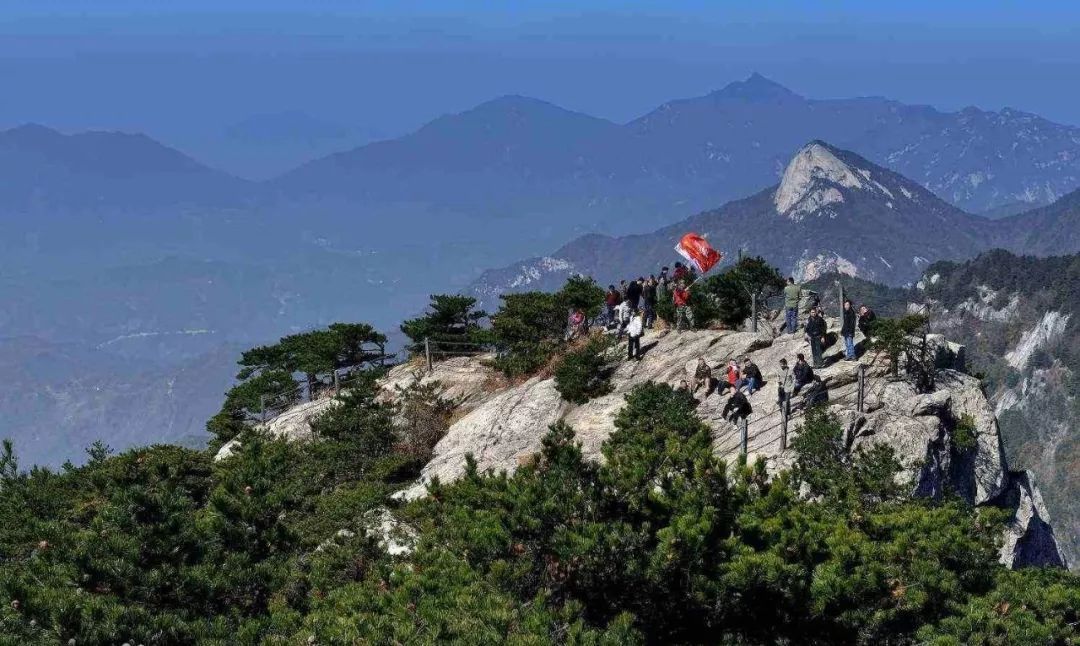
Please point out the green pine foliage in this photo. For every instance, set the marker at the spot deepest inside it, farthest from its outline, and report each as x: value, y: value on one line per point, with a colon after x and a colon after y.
x: 659, y: 542
x: 584, y: 373
x: 451, y: 323
x: 529, y: 328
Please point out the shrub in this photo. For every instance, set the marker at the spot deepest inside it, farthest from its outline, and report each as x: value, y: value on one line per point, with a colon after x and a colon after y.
x: 451, y: 323
x: 733, y: 289
x: 585, y: 373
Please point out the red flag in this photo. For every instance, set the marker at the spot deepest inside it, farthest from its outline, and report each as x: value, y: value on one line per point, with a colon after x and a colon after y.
x: 698, y: 253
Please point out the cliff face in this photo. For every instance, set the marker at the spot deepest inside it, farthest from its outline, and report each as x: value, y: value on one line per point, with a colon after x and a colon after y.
x: 947, y: 441
x: 504, y: 428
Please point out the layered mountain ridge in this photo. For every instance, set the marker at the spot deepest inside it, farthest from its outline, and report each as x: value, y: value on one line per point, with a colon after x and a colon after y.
x: 833, y: 211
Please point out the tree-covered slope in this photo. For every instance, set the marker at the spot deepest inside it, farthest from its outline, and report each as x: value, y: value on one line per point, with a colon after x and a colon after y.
x: 660, y: 543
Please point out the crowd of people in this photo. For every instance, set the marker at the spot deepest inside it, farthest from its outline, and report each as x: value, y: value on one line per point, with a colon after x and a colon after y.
x: 630, y: 309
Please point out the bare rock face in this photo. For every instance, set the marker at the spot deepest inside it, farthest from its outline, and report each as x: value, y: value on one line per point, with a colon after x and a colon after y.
x: 504, y: 429
x: 293, y: 425
x: 1029, y: 538
x: 462, y: 380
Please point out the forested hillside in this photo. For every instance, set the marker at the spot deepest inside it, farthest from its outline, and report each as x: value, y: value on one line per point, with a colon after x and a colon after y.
x: 288, y: 543
x: 284, y: 542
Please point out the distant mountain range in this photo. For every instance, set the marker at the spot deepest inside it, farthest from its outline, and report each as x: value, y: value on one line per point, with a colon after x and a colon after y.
x: 114, y: 236
x: 832, y: 211
x: 46, y: 171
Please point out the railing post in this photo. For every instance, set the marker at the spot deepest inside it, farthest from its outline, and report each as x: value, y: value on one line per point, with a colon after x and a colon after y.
x: 861, y: 399
x: 427, y: 352
x: 840, y: 289
x: 753, y: 312
x: 743, y: 434
x: 785, y: 411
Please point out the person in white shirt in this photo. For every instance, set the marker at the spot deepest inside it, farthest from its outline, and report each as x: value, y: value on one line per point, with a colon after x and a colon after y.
x: 622, y: 314
x: 634, y: 329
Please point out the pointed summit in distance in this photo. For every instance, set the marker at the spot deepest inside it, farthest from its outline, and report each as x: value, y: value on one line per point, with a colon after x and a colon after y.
x: 755, y: 88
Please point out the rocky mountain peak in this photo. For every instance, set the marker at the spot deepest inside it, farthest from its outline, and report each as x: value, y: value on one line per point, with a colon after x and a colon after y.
x: 819, y: 175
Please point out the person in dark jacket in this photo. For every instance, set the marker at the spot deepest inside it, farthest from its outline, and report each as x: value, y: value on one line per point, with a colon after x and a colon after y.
x: 633, y: 292
x: 847, y: 330
x: 866, y: 318
x: 815, y: 333
x: 792, y: 295
x: 648, y: 301
x: 803, y: 373
x: 751, y: 377
x: 737, y: 407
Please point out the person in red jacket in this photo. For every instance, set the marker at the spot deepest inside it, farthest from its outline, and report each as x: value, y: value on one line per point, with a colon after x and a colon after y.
x: 680, y: 272
x: 683, y: 311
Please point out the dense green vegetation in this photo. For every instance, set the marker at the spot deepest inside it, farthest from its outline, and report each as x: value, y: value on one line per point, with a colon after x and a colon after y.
x: 585, y: 371
x: 660, y: 543
x: 530, y: 327
x: 451, y: 323
x: 267, y: 383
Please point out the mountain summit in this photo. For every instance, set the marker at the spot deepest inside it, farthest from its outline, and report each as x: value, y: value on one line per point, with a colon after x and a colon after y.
x: 755, y: 88
x: 832, y: 211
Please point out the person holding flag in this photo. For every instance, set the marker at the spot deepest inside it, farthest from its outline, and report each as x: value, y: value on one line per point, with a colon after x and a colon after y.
x: 698, y: 252
x: 701, y: 257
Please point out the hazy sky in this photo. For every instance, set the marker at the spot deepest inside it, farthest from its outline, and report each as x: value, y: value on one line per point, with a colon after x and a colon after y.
x: 383, y: 68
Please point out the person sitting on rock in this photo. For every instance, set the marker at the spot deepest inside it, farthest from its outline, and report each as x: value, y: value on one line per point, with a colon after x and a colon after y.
x: 802, y: 372
x: 737, y: 407
x: 732, y: 375
x: 702, y: 375
x: 751, y: 377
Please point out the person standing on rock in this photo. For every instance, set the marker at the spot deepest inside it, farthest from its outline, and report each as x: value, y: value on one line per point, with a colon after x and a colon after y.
x: 634, y: 330
x: 815, y: 334
x: 663, y: 286
x: 633, y: 292
x: 611, y: 301
x: 648, y: 301
x: 683, y: 311
x: 792, y: 294
x: 785, y: 385
x: 622, y: 314
x: 680, y: 272
x: 866, y: 318
x: 847, y: 330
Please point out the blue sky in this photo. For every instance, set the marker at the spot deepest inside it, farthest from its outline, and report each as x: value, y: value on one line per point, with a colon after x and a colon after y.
x: 383, y: 68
